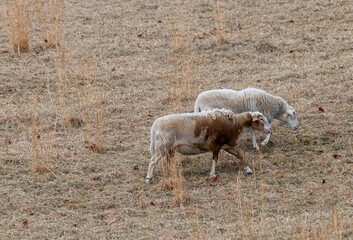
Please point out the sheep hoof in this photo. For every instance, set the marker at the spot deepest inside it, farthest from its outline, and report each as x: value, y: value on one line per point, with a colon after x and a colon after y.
x: 256, y: 147
x: 214, y: 178
x: 248, y: 170
x: 148, y: 180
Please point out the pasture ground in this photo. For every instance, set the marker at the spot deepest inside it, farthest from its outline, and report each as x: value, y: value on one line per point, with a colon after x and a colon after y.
x: 124, y: 57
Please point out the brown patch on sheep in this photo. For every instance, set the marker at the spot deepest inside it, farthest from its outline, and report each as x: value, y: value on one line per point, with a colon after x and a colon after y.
x: 256, y: 123
x: 222, y: 130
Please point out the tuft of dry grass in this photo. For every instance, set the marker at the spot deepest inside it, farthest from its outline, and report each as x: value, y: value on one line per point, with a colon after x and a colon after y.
x: 240, y: 201
x: 17, y: 19
x: 266, y: 47
x: 172, y: 178
x: 221, y: 33
x: 80, y: 99
x: 197, y: 232
x: 94, y: 128
x: 180, y: 81
x: 64, y: 97
x: 177, y: 33
x: 1, y: 165
x: 325, y: 231
x: 180, y: 195
x: 41, y: 146
x: 50, y: 16
x: 92, y: 100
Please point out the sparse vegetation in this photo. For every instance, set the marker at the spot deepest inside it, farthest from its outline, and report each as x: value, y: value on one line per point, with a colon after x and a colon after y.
x: 17, y: 21
x: 41, y: 146
x: 80, y: 100
x: 180, y: 84
x: 172, y: 178
x: 220, y: 31
x: 50, y: 16
x: 1, y: 166
x: 179, y: 75
x: 101, y: 89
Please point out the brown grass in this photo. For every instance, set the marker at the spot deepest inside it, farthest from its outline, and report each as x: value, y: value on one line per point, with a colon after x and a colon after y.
x: 1, y: 165
x: 172, y: 178
x: 180, y: 195
x: 41, y: 146
x: 17, y: 18
x: 65, y: 82
x: 50, y: 16
x: 178, y: 33
x: 115, y: 60
x: 197, y: 232
x: 220, y: 32
x: 180, y: 83
x: 92, y: 104
x: 79, y: 98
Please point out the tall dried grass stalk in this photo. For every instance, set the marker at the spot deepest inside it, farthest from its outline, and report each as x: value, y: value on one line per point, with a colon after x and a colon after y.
x: 18, y: 24
x: 240, y: 203
x: 326, y: 230
x: 92, y: 104
x: 196, y: 230
x: 172, y: 178
x: 177, y: 33
x: 246, y: 217
x: 94, y: 128
x: 81, y: 101
x: 180, y: 83
x: 180, y: 195
x: 1, y: 165
x: 250, y: 222
x: 41, y: 147
x: 262, y: 189
x: 50, y: 16
x: 218, y: 16
x: 187, y: 81
x: 36, y: 165
x: 63, y: 62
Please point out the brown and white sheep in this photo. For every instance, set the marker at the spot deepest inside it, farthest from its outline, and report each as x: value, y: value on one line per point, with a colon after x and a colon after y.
x: 196, y: 133
x: 249, y: 99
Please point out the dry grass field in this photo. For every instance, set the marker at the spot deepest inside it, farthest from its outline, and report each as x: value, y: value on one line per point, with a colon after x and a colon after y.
x: 77, y: 103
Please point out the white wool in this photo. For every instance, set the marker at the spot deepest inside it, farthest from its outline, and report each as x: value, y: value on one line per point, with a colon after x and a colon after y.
x: 183, y: 125
x: 176, y: 132
x: 250, y: 99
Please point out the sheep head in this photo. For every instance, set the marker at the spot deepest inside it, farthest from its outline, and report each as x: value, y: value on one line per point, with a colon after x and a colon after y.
x: 260, y: 122
x: 290, y: 117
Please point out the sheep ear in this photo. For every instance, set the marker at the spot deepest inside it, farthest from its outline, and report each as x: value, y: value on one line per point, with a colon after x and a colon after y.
x: 290, y: 112
x: 255, y: 117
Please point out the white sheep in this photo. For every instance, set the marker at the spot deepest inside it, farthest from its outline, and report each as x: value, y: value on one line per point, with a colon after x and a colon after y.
x: 249, y: 99
x: 195, y: 133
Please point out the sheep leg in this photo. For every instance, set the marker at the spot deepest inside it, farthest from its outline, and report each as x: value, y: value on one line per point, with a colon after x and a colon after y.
x: 154, y: 159
x: 214, y: 161
x: 264, y: 142
x: 254, y: 142
x: 236, y: 153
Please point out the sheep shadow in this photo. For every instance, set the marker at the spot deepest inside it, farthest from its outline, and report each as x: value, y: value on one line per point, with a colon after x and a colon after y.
x: 201, y: 166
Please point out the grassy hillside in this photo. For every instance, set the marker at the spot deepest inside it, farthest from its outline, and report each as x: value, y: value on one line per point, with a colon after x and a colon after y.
x: 77, y: 104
